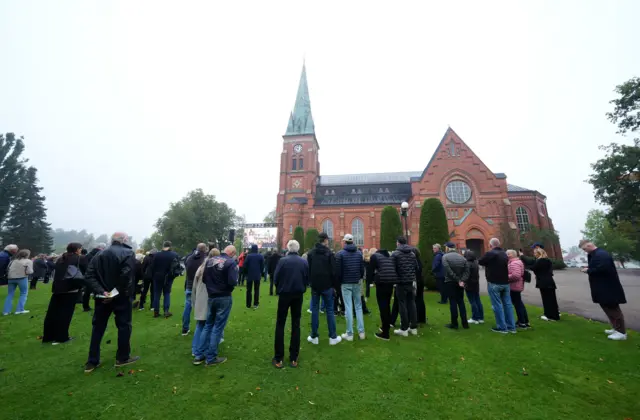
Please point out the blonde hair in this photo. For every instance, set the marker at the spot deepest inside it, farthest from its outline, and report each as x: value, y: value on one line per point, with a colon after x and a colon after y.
x: 214, y: 252
x: 370, y: 253
x: 540, y: 253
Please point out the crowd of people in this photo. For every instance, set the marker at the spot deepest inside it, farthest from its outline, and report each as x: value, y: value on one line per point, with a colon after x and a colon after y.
x: 115, y: 275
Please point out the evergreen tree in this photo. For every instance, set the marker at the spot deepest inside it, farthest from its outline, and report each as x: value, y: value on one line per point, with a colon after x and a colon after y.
x: 310, y: 238
x: 298, y: 235
x: 26, y: 223
x: 390, y: 228
x: 434, y: 229
x: 12, y: 169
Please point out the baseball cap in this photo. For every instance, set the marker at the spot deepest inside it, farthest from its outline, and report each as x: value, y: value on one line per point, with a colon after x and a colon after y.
x: 537, y: 244
x: 450, y: 245
x: 348, y: 238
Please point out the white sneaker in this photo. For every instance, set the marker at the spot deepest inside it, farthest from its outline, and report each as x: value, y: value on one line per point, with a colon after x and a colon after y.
x: 334, y: 341
x: 473, y: 321
x: 6, y: 313
x: 362, y: 336
x: 321, y: 311
x: 617, y: 336
x: 401, y: 332
x: 221, y: 341
x: 313, y: 340
x: 609, y: 332
x: 413, y: 331
x: 544, y: 318
x: 22, y: 312
x: 347, y: 337
x: 309, y: 311
x: 481, y: 321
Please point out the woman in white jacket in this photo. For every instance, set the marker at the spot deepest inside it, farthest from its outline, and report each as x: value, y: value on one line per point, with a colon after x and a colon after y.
x: 19, y: 270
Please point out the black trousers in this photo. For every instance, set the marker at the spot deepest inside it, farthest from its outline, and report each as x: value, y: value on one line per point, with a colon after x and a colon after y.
x: 455, y: 293
x: 383, y: 296
x: 241, y: 276
x: 421, y: 310
x: 367, y: 289
x: 121, y: 307
x: 442, y: 290
x: 550, y: 304
x: 146, y: 284
x: 270, y: 284
x: 34, y: 282
x: 58, y: 317
x: 521, y: 310
x: 407, y: 306
x: 286, y: 302
x: 338, y: 303
x: 395, y: 310
x: 255, y: 285
x: 86, y: 297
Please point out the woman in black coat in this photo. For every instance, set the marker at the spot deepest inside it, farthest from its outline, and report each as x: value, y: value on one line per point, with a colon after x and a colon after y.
x: 472, y: 288
x: 543, y: 269
x: 421, y: 310
x: 39, y: 270
x: 64, y: 297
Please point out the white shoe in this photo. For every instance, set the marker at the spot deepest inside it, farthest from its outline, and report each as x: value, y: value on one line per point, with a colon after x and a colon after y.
x: 413, y: 331
x: 309, y: 311
x: 347, y: 337
x: 362, y: 336
x: 321, y: 311
x: 334, y: 341
x: 481, y: 321
x: 544, y: 318
x: 401, y: 332
x: 313, y: 340
x: 609, y: 332
x: 473, y: 321
x: 6, y: 313
x: 221, y: 341
x: 617, y: 336
x: 22, y: 312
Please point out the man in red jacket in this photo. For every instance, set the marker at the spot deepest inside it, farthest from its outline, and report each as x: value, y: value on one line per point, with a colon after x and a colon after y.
x: 241, y: 267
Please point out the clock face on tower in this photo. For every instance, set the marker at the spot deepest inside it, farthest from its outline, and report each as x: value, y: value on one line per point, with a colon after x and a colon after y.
x: 297, y: 183
x: 297, y: 148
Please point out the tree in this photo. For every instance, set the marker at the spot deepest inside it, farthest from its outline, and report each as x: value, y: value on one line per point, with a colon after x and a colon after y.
x: 509, y: 238
x: 198, y: 217
x: 152, y: 242
x: 614, y: 239
x: 390, y: 228
x: 310, y: 238
x: 298, y: 235
x: 26, y: 223
x: 433, y: 229
x: 12, y: 168
x: 626, y: 111
x: 270, y: 217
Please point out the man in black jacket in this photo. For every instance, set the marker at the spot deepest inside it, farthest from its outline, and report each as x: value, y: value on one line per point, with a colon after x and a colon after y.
x: 271, y: 268
x: 406, y: 265
x: 496, y: 265
x: 383, y: 271
x: 194, y: 261
x: 111, y: 270
x: 322, y: 277
x: 86, y: 260
x: 147, y: 279
x: 163, y: 267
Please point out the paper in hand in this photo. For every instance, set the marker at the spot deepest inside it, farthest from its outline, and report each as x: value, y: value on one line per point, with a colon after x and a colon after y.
x: 110, y: 294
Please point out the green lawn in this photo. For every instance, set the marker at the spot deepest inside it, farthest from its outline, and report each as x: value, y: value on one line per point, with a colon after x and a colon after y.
x: 572, y: 371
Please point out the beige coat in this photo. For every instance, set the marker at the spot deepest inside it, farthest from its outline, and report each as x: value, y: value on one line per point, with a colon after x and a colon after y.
x: 199, y: 296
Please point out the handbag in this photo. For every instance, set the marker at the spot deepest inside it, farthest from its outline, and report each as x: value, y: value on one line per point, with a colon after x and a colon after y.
x: 74, y: 277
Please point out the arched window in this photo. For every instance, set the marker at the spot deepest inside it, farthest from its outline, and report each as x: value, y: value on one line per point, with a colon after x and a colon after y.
x: 327, y: 227
x: 357, y: 230
x: 290, y: 229
x: 294, y: 165
x: 522, y: 218
x: 300, y: 164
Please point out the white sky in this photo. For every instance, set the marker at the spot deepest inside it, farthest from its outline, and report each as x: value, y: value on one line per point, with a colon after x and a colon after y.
x: 127, y: 105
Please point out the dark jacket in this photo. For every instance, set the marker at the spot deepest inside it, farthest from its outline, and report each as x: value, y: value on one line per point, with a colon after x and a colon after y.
x: 543, y: 269
x: 456, y: 268
x: 146, y: 267
x: 603, y: 279
x: 273, y: 263
x: 220, y: 276
x: 139, y: 273
x: 112, y: 268
x: 40, y: 268
x: 322, y: 268
x: 349, y: 265
x: 5, y: 259
x: 436, y: 266
x: 60, y: 283
x: 292, y: 274
x: 496, y: 264
x: 405, y: 263
x: 473, y: 283
x: 193, y: 263
x: 384, y: 271
x: 163, y: 264
x: 254, y: 264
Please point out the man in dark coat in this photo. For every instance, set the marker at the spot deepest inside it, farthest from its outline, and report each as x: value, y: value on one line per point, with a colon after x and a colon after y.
x: 254, y: 267
x: 606, y: 288
x: 406, y: 265
x: 271, y: 268
x: 86, y: 260
x: 39, y: 270
x: 163, y: 267
x: 193, y: 262
x: 438, y: 272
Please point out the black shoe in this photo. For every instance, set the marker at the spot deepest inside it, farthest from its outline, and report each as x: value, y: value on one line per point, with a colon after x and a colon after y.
x: 156, y: 314
x: 198, y: 362
x: 131, y: 360
x: 217, y: 361
x: 68, y: 340
x: 382, y: 336
x: 90, y: 367
x: 86, y: 310
x: 522, y: 326
x: 496, y: 330
x: 465, y: 326
x: 451, y: 326
x: 168, y: 315
x: 185, y: 332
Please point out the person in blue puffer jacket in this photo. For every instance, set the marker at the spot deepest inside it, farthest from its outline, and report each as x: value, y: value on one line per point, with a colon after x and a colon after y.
x: 350, y: 270
x: 437, y: 268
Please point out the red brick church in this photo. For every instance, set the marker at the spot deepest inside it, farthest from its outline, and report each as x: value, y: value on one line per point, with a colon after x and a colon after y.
x: 477, y: 201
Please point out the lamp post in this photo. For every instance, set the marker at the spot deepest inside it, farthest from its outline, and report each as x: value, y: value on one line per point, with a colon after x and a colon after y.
x: 404, y: 208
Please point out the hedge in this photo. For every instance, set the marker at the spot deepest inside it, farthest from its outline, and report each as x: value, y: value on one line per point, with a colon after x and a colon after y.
x: 310, y: 238
x: 390, y: 228
x: 298, y: 235
x: 433, y: 229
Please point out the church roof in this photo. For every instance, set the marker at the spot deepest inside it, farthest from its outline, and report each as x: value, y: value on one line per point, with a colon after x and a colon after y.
x: 301, y: 120
x: 363, y: 179
x: 515, y: 188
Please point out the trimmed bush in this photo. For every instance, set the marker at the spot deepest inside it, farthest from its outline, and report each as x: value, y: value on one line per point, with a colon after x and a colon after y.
x: 433, y: 229
x: 310, y: 238
x: 298, y: 235
x: 558, y: 264
x: 390, y: 228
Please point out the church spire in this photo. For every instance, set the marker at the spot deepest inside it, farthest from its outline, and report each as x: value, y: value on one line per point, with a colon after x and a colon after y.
x: 301, y: 120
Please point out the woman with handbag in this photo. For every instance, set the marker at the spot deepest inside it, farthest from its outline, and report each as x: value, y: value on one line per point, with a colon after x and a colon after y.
x: 18, y: 273
x: 67, y: 281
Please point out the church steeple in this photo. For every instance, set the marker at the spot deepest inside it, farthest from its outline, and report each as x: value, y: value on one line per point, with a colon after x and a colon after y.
x: 301, y: 120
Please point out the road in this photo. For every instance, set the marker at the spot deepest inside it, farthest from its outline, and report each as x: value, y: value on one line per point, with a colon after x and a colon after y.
x: 574, y: 295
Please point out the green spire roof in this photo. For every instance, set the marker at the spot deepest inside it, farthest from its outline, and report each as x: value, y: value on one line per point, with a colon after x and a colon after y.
x: 301, y: 120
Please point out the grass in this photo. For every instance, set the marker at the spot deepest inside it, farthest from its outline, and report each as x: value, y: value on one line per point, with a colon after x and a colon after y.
x: 573, y: 372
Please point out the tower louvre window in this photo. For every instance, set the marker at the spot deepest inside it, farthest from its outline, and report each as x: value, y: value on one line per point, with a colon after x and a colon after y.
x: 300, y: 164
x: 294, y: 164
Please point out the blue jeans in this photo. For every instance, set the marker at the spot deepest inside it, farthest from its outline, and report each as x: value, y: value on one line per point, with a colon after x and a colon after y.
x: 219, y: 310
x: 196, y: 336
x: 327, y: 300
x: 351, y: 293
x: 500, y: 295
x: 324, y: 302
x: 186, y: 315
x: 477, y: 311
x: 23, y: 284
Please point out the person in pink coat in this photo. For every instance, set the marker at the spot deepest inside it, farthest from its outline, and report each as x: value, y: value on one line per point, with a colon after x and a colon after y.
x: 516, y: 284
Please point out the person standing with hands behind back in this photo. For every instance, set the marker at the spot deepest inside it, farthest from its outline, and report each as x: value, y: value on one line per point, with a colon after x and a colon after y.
x: 162, y: 267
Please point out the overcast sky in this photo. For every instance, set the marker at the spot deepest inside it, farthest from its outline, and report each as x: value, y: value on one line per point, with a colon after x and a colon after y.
x: 127, y: 105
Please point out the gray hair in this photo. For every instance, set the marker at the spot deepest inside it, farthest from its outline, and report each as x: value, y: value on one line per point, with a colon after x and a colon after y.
x: 120, y: 237
x: 436, y: 246
x: 11, y: 248
x: 293, y: 246
x: 512, y: 252
x: 101, y: 245
x: 202, y: 248
x: 494, y: 242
